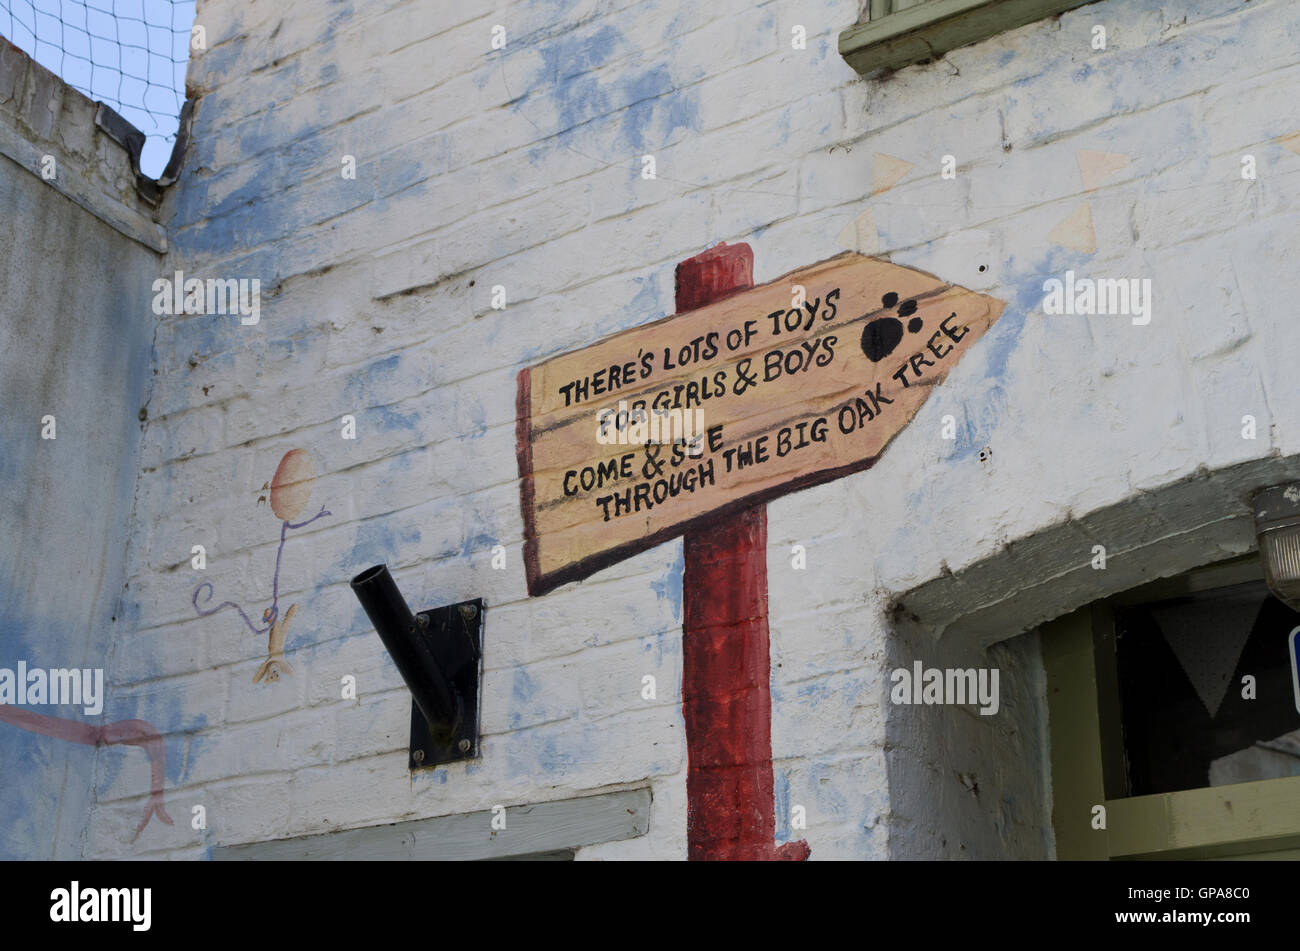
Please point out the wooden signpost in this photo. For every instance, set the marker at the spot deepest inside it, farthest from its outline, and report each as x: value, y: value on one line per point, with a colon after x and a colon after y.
x: 686, y: 426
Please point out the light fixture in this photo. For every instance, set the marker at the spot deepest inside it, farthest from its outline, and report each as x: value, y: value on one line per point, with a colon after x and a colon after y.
x: 437, y: 652
x: 1277, y: 526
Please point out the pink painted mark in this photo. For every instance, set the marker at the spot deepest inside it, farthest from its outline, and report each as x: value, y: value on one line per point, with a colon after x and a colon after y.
x: 726, y: 664
x: 132, y: 732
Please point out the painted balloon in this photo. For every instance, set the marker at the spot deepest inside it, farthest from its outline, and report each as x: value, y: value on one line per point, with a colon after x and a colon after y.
x: 291, y: 485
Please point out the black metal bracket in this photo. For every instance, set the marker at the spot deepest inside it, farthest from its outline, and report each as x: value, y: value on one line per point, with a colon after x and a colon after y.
x: 453, y: 634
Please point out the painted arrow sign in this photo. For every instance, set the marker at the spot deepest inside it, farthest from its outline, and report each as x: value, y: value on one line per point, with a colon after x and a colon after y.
x: 789, y: 384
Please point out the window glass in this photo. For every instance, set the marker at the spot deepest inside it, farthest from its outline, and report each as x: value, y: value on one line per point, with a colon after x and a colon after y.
x: 1189, y: 715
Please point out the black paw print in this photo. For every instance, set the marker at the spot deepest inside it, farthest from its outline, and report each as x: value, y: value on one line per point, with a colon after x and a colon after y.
x: 883, y: 335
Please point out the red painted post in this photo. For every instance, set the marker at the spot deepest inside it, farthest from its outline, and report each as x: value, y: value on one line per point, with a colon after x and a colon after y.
x: 726, y: 665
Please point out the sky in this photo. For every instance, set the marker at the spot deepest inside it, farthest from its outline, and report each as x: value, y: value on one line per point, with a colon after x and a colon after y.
x: 131, y: 54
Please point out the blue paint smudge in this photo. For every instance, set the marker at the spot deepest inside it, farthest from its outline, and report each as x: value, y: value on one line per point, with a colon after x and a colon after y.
x: 523, y: 690
x: 781, y: 789
x: 669, y: 587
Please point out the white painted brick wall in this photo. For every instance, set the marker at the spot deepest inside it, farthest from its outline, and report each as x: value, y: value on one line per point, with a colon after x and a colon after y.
x: 522, y: 168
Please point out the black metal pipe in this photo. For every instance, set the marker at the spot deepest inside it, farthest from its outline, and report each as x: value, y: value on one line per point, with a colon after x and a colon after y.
x: 396, y: 626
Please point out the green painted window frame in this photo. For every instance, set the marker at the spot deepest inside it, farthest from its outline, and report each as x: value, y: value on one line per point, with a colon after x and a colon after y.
x: 1248, y: 820
x: 898, y: 34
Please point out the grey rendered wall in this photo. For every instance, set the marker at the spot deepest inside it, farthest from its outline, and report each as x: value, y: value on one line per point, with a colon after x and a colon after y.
x: 75, y: 340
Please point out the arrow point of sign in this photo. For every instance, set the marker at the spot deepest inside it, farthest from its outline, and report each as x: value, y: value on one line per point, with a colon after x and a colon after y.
x: 1076, y: 231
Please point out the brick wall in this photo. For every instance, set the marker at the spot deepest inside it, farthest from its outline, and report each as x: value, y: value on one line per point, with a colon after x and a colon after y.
x: 521, y: 167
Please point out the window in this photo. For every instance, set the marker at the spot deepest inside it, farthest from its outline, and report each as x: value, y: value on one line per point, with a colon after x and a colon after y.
x: 1172, y: 707
x: 902, y: 32
x: 1205, y: 689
